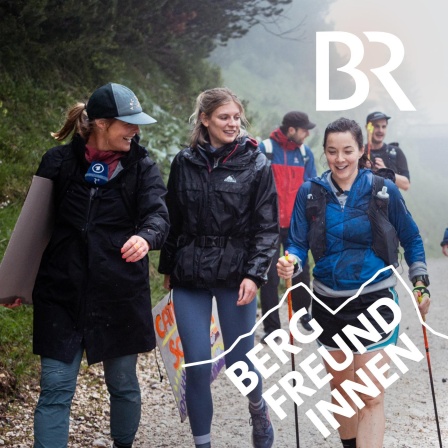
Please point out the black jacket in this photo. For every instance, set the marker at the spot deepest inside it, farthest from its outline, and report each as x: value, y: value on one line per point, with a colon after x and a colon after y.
x: 224, y: 218
x: 85, y: 292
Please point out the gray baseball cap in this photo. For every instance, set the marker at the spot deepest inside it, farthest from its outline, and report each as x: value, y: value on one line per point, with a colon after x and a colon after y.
x: 374, y: 116
x: 117, y: 101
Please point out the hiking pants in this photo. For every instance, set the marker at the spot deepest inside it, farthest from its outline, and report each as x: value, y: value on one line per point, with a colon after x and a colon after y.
x: 58, y: 384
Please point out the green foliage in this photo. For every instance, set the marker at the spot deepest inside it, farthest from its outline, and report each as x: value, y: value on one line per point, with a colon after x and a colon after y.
x: 157, y: 289
x: 54, y: 53
x: 8, y: 217
x: 27, y: 108
x: 86, y: 38
x: 15, y: 343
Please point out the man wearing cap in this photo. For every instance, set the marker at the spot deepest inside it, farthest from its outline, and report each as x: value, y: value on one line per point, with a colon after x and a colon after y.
x: 383, y: 155
x: 292, y: 164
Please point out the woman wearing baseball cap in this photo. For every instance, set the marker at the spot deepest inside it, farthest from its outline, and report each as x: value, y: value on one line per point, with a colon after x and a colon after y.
x: 92, y: 291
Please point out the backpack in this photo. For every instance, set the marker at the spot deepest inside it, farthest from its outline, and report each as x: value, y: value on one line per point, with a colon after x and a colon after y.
x: 385, y: 240
x: 391, y: 155
x: 268, y: 148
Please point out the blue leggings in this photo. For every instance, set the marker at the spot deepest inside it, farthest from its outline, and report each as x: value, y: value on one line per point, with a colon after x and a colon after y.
x: 58, y: 384
x: 193, y: 309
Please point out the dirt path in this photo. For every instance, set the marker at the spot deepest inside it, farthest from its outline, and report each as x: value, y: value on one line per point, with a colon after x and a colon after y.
x: 409, y: 406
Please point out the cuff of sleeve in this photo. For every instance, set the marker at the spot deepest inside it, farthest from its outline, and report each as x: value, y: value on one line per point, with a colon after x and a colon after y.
x: 297, y: 267
x: 256, y: 280
x: 417, y: 268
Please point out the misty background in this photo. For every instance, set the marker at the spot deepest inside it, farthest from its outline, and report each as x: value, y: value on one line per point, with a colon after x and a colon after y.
x: 272, y: 67
x: 54, y: 53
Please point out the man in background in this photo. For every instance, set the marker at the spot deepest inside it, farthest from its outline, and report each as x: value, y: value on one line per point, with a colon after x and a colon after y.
x: 383, y: 155
x: 292, y: 164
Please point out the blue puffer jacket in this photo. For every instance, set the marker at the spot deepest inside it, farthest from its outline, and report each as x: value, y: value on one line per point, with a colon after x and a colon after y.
x: 349, y: 259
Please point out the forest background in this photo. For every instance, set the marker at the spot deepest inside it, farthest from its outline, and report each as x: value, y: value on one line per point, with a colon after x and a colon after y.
x: 54, y: 53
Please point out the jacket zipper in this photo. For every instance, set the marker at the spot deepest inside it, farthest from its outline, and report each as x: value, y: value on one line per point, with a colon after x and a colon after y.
x: 82, y: 306
x: 93, y: 192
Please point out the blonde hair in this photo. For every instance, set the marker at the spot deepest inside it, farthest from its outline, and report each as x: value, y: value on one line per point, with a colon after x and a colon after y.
x: 207, y: 102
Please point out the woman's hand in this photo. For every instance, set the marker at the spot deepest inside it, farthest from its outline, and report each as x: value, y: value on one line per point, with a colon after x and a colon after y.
x: 285, y: 267
x: 134, y: 249
x: 247, y: 292
x: 423, y: 300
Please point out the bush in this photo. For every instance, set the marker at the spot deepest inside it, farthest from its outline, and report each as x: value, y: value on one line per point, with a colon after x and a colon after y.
x: 17, y: 362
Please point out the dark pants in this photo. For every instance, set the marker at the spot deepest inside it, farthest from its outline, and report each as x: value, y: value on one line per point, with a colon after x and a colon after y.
x: 58, y: 385
x: 269, y: 292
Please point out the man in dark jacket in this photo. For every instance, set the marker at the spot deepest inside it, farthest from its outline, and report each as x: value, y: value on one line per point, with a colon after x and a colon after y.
x: 383, y: 155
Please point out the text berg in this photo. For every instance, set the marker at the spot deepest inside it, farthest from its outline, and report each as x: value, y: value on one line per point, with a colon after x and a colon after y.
x: 293, y: 382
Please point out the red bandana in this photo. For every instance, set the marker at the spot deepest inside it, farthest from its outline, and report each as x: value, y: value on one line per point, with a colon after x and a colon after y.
x: 110, y: 157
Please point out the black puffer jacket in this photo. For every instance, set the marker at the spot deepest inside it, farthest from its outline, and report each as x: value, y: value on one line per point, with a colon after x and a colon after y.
x: 85, y: 292
x: 224, y: 218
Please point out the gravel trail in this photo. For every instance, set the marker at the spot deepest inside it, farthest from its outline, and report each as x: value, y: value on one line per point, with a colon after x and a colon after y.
x: 409, y: 404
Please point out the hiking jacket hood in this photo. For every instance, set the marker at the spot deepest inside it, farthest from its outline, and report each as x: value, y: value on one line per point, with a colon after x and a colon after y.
x: 224, y: 217
x: 85, y: 293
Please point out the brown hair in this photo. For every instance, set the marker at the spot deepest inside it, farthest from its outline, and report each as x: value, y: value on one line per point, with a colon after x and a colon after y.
x: 76, y: 121
x: 346, y: 125
x: 207, y: 102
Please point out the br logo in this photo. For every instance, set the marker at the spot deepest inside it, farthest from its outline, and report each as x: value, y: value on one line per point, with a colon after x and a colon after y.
x: 396, y: 48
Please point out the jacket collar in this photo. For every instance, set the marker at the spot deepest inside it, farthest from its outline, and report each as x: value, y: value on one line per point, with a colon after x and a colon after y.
x: 136, y: 152
x: 237, y: 154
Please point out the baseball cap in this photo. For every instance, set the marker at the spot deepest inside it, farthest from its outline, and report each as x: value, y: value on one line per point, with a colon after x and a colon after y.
x: 377, y: 116
x: 117, y: 101
x: 297, y: 119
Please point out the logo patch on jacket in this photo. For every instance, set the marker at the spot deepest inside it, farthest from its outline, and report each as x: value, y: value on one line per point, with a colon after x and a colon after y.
x: 230, y: 179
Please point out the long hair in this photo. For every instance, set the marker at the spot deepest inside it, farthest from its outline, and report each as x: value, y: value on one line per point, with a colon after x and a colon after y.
x: 76, y: 121
x: 207, y: 102
x: 346, y: 125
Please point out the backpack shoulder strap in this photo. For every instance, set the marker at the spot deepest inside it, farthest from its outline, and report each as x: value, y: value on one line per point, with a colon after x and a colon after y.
x: 304, y: 154
x: 377, y: 184
x: 268, y: 148
x: 315, y: 211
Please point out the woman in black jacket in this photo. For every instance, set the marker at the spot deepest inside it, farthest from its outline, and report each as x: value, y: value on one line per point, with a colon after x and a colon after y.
x: 223, y: 209
x: 92, y: 290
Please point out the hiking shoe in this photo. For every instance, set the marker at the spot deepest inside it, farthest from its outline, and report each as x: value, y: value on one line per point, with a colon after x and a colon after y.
x: 115, y: 445
x: 262, y: 429
x: 304, y: 320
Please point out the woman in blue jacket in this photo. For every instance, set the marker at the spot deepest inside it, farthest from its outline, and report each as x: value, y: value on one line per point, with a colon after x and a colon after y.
x: 352, y: 230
